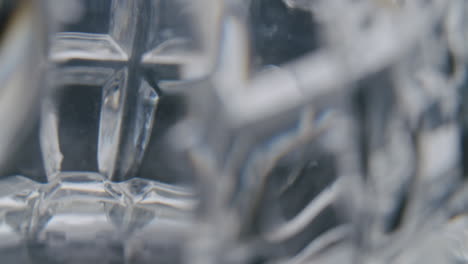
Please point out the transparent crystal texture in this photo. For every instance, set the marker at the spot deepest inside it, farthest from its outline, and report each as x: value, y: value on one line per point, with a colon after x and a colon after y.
x: 220, y: 131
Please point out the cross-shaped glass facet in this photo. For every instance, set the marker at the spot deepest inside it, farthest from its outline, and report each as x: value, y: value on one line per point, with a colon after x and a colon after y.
x: 130, y: 39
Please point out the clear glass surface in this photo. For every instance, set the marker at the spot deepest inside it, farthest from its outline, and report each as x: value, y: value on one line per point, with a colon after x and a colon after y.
x: 219, y: 131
